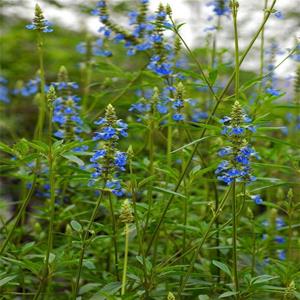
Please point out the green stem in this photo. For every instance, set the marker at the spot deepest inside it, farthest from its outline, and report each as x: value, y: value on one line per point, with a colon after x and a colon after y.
x: 253, y: 260
x: 19, y: 215
x: 234, y: 214
x: 219, y: 100
x: 83, y: 247
x: 125, y: 259
x: 138, y: 229
x: 197, y: 248
x: 114, y: 230
x: 44, y: 281
x: 151, y: 172
x: 42, y: 99
x: 290, y: 231
x: 169, y: 141
x: 234, y: 241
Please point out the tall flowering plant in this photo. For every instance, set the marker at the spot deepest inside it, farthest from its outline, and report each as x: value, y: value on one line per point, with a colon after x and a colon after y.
x: 107, y: 161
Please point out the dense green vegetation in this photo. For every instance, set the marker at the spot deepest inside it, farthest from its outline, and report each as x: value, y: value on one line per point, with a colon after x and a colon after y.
x: 134, y: 167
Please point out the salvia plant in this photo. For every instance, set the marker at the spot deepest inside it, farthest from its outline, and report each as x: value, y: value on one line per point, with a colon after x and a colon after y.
x: 136, y: 167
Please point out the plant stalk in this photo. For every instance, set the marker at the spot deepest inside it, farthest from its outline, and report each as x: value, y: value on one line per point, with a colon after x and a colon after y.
x: 123, y: 289
x: 83, y: 247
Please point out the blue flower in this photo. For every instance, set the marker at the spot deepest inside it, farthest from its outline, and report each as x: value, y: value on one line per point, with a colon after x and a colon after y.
x: 4, y: 90
x: 225, y: 151
x: 279, y: 223
x: 222, y: 166
x: 178, y: 117
x: 46, y: 27
x: 273, y: 92
x: 281, y: 254
x: 278, y: 15
x: 279, y: 239
x: 162, y: 108
x: 105, y: 134
x: 237, y: 130
x: 257, y: 199
x: 121, y: 160
x: 98, y: 154
x: 220, y: 7
x: 233, y: 172
x: 242, y: 159
x: 225, y: 119
x: 115, y: 187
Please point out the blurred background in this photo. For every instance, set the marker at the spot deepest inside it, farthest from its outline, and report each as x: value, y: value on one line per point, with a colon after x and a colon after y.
x: 283, y: 28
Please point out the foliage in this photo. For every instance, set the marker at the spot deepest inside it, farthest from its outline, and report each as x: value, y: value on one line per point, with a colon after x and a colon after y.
x: 133, y: 167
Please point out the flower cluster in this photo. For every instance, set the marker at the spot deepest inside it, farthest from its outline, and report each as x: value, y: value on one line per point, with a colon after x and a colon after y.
x: 178, y: 103
x: 171, y: 99
x: 3, y: 90
x: 39, y: 22
x: 66, y: 108
x: 107, y: 161
x: 237, y: 166
x: 220, y: 7
x: 147, y: 34
x: 29, y: 88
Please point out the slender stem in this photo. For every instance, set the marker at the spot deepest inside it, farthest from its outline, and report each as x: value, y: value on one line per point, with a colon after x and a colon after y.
x: 197, y: 248
x: 234, y: 214
x: 84, y: 245
x: 253, y: 260
x: 19, y: 215
x: 114, y: 231
x: 151, y: 171
x: 290, y: 230
x: 125, y: 260
x: 138, y: 229
x: 234, y: 241
x: 51, y: 161
x: 169, y: 142
x: 219, y: 100
x: 42, y: 99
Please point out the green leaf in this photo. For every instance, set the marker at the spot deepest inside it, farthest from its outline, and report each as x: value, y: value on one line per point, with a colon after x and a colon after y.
x: 147, y: 262
x: 39, y: 146
x: 146, y: 180
x: 6, y: 148
x: 89, y: 264
x: 76, y: 226
x: 51, y: 257
x: 222, y: 266
x: 5, y: 280
x: 192, y: 143
x: 227, y: 294
x: 168, y: 191
x: 71, y: 157
x: 203, y: 297
x: 213, y: 76
x: 89, y: 287
x: 262, y: 279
